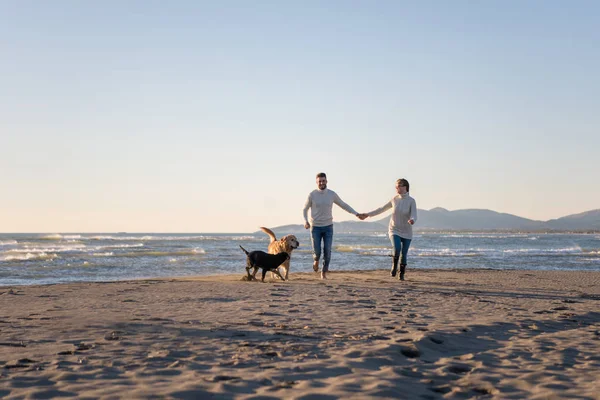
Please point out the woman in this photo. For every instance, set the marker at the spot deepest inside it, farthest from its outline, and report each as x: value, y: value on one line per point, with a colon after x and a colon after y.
x: 404, y: 215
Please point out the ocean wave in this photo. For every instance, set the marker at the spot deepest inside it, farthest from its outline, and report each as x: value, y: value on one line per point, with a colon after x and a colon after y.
x: 447, y: 252
x: 40, y: 248
x: 54, y: 236
x: 303, y: 250
x: 121, y: 246
x: 28, y: 256
x: 486, y: 236
x: 192, y: 252
x: 120, y: 238
x: 359, y: 248
x: 565, y: 250
x: 170, y: 238
x: 7, y: 242
x: 58, y: 236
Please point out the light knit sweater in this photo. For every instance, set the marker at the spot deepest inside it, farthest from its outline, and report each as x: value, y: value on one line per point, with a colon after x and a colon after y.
x: 321, y: 203
x: 404, y: 208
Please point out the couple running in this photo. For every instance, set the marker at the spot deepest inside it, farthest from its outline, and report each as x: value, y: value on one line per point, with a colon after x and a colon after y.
x: 320, y: 202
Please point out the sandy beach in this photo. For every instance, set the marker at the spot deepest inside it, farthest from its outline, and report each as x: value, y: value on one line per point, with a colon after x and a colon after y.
x: 440, y: 334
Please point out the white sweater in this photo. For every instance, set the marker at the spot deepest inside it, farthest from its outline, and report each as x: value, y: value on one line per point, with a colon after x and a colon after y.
x: 321, y: 203
x: 404, y: 208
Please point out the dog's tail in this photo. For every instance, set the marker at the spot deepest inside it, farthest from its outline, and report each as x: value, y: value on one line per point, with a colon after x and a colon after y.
x: 269, y: 232
x: 245, y: 251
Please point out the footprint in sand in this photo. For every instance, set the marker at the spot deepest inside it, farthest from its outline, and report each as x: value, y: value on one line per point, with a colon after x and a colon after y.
x: 222, y: 378
x: 268, y: 314
x: 279, y: 294
x: 436, y: 339
x: 410, y: 351
x: 459, y: 368
x: 349, y: 302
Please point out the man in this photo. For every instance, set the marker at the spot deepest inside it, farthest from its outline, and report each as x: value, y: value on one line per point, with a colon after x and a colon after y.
x: 320, y: 202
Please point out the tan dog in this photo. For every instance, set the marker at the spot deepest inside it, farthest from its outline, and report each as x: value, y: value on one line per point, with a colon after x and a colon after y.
x: 287, y: 243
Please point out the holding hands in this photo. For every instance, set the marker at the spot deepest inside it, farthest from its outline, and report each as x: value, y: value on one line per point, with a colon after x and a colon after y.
x: 362, y: 216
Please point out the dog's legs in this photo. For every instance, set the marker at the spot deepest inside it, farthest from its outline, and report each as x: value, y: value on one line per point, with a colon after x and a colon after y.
x: 264, y: 272
x: 286, y: 267
x: 248, y: 267
x: 278, y: 274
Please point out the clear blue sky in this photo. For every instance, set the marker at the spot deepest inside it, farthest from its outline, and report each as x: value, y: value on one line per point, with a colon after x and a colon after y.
x: 192, y: 116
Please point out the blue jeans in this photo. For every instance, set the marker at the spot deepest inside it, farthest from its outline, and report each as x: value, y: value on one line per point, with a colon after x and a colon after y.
x: 325, y: 234
x: 400, y: 246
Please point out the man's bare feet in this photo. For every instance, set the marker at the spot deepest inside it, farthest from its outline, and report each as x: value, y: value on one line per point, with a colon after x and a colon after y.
x: 316, y: 266
x: 323, y: 276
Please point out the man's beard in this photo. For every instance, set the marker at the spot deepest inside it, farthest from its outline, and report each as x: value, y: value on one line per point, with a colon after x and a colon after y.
x: 323, y: 187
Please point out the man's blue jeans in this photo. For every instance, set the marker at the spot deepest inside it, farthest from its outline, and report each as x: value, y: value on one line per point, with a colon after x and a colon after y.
x: 324, y: 234
x: 401, y: 246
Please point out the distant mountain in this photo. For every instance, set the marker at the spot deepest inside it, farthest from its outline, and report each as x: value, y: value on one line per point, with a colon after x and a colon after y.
x: 474, y: 219
x: 589, y: 220
x: 467, y: 220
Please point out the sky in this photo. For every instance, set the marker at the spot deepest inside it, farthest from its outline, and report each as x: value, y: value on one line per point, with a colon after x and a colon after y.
x: 205, y: 116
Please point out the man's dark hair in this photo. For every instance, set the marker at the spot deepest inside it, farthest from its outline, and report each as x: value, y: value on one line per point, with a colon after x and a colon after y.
x: 321, y: 175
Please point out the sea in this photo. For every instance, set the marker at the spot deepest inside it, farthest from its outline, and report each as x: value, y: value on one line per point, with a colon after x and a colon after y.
x: 40, y: 259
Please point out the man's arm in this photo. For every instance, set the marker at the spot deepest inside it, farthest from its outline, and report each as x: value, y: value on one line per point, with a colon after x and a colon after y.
x: 307, y: 205
x: 344, y: 206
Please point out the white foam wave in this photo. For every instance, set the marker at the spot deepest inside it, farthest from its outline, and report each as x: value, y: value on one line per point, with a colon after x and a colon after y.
x: 54, y: 236
x: 121, y: 246
x: 485, y: 236
x: 592, y: 252
x: 170, y: 238
x: 566, y: 250
x: 58, y: 236
x: 447, y: 252
x: 40, y: 248
x: 107, y: 254
x: 29, y: 256
x: 7, y: 242
x: 152, y: 253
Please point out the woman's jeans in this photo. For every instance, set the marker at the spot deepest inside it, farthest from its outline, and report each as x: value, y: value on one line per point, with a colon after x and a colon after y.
x: 325, y: 234
x: 401, y: 246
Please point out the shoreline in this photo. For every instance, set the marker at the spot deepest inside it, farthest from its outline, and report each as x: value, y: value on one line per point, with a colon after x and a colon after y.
x: 307, y: 277
x: 441, y: 333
